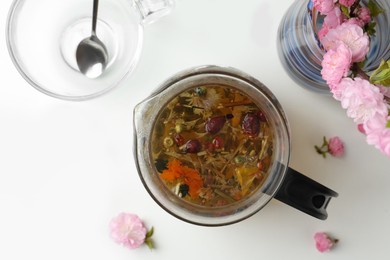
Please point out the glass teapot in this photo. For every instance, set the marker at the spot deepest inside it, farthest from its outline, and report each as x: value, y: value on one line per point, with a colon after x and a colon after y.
x: 171, y: 169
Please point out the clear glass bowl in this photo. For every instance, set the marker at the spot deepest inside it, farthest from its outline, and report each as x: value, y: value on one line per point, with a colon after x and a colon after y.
x: 42, y: 36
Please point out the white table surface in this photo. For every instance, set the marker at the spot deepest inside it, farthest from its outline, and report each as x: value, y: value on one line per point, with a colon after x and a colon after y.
x: 67, y: 168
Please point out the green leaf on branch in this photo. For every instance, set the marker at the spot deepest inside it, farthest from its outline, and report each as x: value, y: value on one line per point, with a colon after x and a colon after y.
x: 381, y: 76
x: 149, y: 243
x: 345, y: 11
x: 374, y: 8
x: 370, y: 28
x: 148, y: 238
x: 388, y: 124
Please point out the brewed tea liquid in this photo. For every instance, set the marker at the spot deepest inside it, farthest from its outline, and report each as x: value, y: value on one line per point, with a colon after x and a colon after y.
x: 212, y: 145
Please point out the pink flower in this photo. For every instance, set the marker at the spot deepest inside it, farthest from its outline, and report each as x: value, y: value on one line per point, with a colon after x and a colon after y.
x: 336, y: 64
x: 360, y: 127
x: 323, y: 31
x: 384, y: 143
x: 324, y: 6
x: 128, y: 229
x: 378, y: 134
x: 374, y: 128
x: 347, y: 3
x: 364, y: 15
x: 355, y: 21
x: 323, y: 242
x: 336, y: 147
x: 361, y: 99
x: 334, y: 18
x: 352, y: 36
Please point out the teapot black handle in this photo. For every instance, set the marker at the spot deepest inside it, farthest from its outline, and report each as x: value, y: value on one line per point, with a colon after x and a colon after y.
x: 305, y: 194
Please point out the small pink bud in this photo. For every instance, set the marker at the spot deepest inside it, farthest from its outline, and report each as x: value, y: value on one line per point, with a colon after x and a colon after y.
x: 324, y: 243
x: 336, y: 147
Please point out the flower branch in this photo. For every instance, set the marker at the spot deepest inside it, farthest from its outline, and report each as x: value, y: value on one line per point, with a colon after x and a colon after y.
x: 345, y: 36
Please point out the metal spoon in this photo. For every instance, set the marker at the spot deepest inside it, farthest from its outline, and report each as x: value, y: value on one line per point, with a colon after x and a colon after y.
x: 91, y: 54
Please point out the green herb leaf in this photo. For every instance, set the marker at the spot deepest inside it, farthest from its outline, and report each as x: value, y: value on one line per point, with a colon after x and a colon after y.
x: 381, y: 75
x: 374, y: 8
x: 150, y: 233
x: 345, y: 11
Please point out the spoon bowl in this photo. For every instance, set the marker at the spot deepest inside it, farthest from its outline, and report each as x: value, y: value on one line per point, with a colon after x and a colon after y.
x: 91, y: 53
x: 91, y: 56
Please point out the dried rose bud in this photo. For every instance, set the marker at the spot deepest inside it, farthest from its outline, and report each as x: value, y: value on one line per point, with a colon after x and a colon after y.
x: 218, y: 142
x: 209, y: 147
x: 261, y: 116
x: 215, y: 124
x: 251, y: 124
x: 193, y: 146
x: 179, y: 139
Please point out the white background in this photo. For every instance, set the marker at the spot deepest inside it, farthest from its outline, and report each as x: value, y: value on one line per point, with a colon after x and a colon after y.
x: 67, y: 168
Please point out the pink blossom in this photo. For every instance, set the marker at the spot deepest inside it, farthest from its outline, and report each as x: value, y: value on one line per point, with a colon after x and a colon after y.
x: 336, y: 64
x: 338, y: 90
x: 364, y: 15
x: 323, y: 242
x: 384, y: 90
x: 361, y: 99
x: 336, y: 147
x: 378, y: 134
x: 352, y: 36
x: 355, y: 21
x: 374, y: 128
x: 384, y: 143
x: 334, y: 18
x: 324, y: 6
x: 128, y: 229
x: 322, y: 32
x: 347, y: 3
x: 360, y: 127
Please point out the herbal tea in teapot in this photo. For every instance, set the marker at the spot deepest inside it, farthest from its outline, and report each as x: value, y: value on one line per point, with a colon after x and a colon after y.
x: 212, y: 145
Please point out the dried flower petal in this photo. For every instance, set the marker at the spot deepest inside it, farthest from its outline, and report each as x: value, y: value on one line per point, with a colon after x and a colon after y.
x: 177, y: 171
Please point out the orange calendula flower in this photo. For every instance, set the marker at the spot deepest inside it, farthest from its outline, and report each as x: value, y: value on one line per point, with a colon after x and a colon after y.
x: 173, y: 171
x: 191, y: 177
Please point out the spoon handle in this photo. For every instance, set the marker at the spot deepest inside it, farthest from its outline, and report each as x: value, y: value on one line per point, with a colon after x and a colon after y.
x: 94, y: 16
